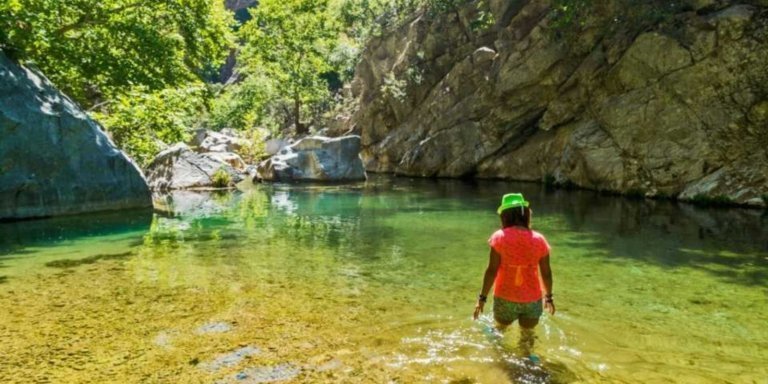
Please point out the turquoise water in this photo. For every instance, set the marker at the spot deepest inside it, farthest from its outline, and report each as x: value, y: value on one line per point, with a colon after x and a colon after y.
x: 376, y: 282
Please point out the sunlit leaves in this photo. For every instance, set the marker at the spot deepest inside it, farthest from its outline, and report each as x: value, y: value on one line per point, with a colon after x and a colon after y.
x: 290, y: 41
x: 141, y: 121
x: 95, y: 49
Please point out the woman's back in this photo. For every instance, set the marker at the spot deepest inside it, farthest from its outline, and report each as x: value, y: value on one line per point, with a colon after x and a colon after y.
x: 520, y: 251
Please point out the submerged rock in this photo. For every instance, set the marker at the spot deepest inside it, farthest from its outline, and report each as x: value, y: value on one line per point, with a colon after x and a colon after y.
x: 253, y: 375
x: 230, y: 359
x: 179, y: 167
x: 680, y: 113
x: 54, y: 159
x: 316, y: 158
x: 217, y: 327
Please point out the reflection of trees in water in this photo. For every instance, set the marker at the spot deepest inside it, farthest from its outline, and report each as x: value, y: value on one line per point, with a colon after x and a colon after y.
x: 309, y: 216
x: 334, y: 217
x: 352, y: 221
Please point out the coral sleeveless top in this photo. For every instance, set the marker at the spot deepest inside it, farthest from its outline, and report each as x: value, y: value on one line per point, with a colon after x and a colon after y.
x: 517, y: 279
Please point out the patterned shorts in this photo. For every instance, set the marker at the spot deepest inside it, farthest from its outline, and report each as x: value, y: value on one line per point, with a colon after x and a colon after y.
x: 506, y: 312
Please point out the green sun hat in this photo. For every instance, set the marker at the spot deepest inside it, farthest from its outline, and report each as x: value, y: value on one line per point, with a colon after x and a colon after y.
x: 512, y: 200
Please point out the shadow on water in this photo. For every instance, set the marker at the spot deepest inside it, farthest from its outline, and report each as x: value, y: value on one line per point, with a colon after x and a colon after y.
x: 17, y: 237
x: 731, y: 243
x: 71, y: 263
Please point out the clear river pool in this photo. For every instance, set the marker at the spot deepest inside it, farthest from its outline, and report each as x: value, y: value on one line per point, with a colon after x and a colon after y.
x: 375, y: 283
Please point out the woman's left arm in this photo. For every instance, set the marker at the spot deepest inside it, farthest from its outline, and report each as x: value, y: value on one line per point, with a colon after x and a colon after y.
x: 488, y: 279
x: 546, y: 278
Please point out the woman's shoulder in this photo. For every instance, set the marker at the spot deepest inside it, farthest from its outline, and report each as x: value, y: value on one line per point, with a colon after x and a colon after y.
x: 497, y: 234
x: 537, y: 235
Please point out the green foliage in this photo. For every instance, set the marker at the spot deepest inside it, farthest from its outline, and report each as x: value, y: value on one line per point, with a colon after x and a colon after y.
x: 244, y: 105
x: 484, y: 18
x: 95, y: 49
x: 568, y: 17
x: 765, y: 199
x: 570, y: 14
x: 221, y: 179
x: 141, y: 122
x: 394, y: 87
x: 254, y: 150
x: 289, y: 42
x: 364, y: 19
x: 437, y: 7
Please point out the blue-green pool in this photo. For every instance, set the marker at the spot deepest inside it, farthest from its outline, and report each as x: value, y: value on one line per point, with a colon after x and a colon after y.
x: 375, y: 282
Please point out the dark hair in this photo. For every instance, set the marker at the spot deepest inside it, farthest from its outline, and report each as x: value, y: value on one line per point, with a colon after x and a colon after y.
x: 516, y: 217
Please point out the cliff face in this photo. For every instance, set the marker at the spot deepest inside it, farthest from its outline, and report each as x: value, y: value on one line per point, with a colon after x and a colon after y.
x: 680, y: 114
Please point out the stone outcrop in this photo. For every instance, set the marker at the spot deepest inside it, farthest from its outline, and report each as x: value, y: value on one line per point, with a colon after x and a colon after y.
x: 179, y: 167
x: 315, y: 158
x: 210, y: 141
x: 55, y: 160
x: 680, y: 112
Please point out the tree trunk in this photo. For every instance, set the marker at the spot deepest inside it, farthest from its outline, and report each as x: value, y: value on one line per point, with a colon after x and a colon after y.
x: 300, y: 128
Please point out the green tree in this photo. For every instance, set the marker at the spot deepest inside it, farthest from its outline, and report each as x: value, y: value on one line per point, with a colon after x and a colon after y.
x: 289, y: 42
x: 244, y: 105
x: 94, y: 50
x: 142, y: 122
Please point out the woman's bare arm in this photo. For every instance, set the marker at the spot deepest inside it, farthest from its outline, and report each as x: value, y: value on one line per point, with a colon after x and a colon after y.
x: 488, y: 279
x: 546, y: 278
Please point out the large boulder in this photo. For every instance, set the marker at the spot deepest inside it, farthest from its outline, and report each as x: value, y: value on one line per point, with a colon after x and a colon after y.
x: 179, y: 167
x: 55, y: 160
x: 210, y: 141
x: 680, y: 111
x: 315, y: 158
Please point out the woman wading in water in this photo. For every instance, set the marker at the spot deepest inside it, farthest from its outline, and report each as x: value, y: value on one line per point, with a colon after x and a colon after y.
x: 519, y: 264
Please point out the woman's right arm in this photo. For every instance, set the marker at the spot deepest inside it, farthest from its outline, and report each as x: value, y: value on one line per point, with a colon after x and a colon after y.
x: 488, y: 279
x: 546, y: 278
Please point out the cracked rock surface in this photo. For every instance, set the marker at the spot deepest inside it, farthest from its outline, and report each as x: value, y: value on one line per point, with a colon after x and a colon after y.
x: 680, y: 113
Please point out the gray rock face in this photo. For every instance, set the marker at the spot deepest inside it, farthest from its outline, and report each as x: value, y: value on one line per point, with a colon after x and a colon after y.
x: 210, y: 141
x: 55, y: 160
x: 316, y: 158
x: 683, y: 114
x: 179, y: 167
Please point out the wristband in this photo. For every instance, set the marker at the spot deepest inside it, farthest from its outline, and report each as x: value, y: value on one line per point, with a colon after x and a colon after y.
x: 482, y: 298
